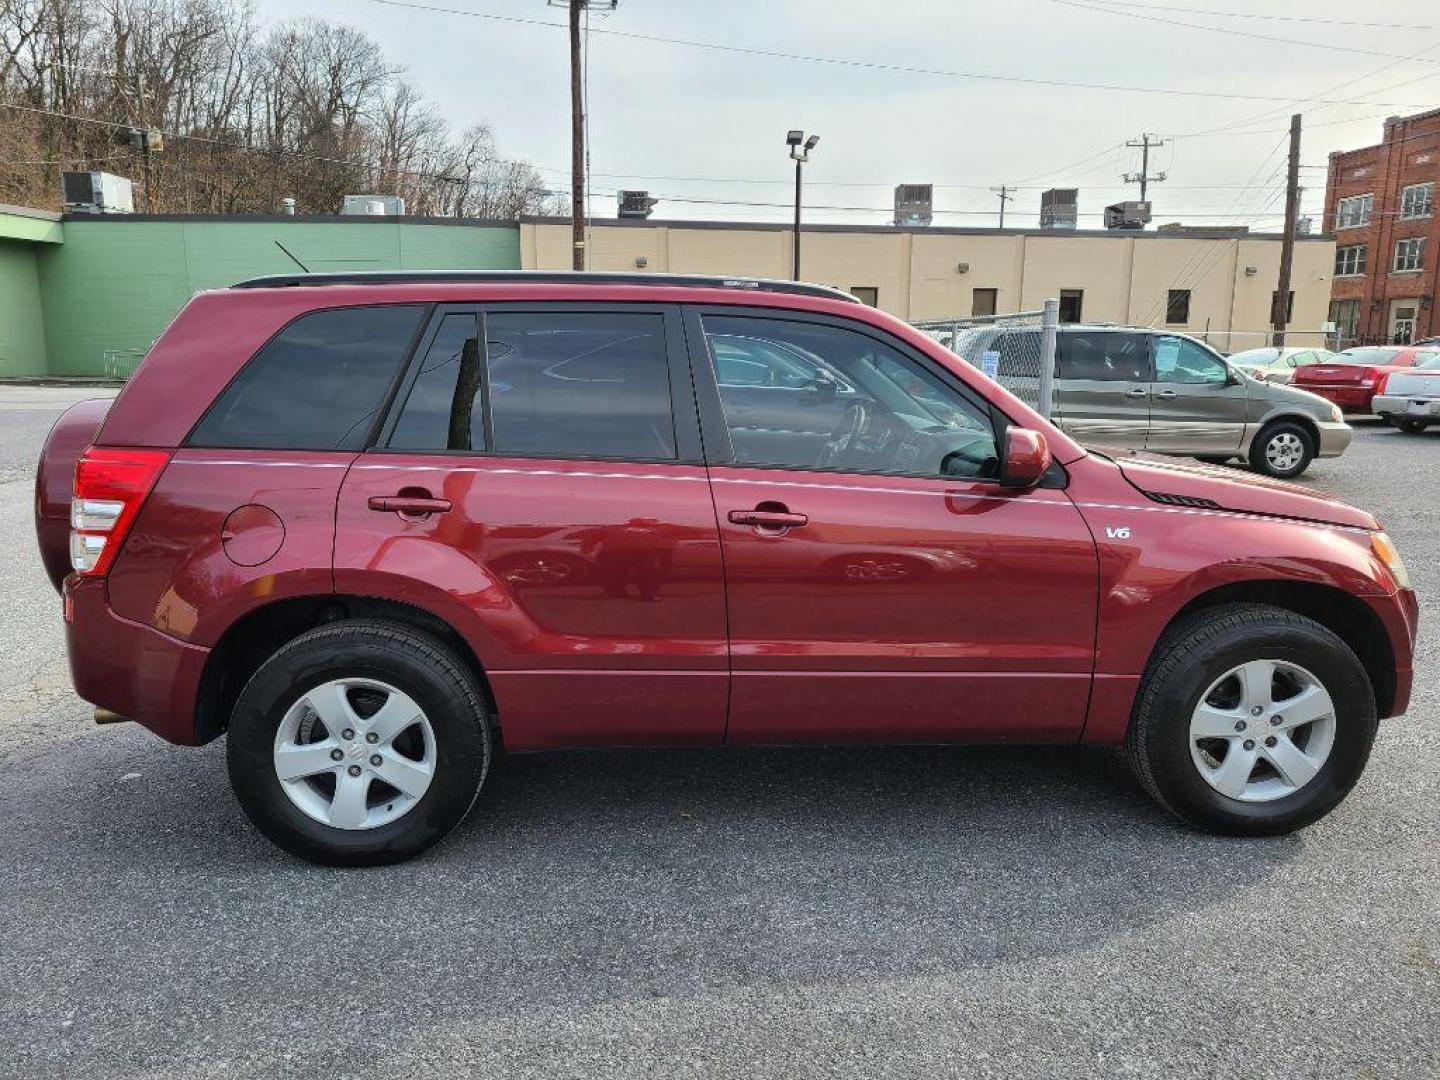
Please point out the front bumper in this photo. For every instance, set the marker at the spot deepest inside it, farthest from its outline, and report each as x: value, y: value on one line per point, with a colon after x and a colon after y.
x: 1334, y: 438
x: 128, y: 668
x: 1416, y: 408
x: 1400, y: 614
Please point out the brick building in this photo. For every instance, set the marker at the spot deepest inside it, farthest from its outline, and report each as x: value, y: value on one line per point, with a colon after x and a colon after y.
x: 1381, y: 207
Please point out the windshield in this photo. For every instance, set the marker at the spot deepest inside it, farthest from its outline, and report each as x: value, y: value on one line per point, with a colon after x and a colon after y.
x: 1255, y: 357
x: 1429, y: 360
x: 1374, y: 355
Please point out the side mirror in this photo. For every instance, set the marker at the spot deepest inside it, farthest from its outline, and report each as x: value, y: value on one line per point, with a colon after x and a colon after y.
x: 1026, y: 460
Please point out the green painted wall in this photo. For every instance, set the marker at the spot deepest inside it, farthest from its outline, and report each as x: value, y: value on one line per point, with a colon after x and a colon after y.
x: 115, y: 283
x: 22, y: 327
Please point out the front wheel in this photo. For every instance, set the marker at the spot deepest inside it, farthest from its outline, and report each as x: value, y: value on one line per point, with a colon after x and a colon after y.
x: 1251, y: 720
x: 1283, y: 450
x: 359, y: 743
x: 1411, y: 427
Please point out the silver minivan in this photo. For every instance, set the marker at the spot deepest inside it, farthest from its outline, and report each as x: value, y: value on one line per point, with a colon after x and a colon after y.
x: 1148, y: 389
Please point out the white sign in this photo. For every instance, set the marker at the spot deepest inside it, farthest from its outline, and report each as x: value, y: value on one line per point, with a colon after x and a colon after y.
x: 990, y: 363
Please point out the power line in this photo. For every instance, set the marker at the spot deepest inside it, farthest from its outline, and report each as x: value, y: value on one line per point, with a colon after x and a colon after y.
x: 1270, y: 18
x: 872, y: 65
x: 1099, y: 7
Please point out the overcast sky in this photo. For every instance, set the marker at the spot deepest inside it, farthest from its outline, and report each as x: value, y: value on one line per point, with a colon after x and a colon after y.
x: 708, y: 124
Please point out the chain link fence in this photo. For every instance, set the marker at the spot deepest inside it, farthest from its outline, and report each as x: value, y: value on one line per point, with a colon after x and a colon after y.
x: 1016, y: 350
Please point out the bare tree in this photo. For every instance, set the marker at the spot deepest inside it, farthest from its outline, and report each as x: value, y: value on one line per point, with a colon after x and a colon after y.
x: 307, y: 109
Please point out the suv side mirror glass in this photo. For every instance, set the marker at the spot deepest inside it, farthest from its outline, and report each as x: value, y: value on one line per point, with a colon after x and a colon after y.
x: 1026, y: 460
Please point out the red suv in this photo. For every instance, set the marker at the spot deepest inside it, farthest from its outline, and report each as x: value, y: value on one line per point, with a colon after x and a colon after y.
x: 376, y: 528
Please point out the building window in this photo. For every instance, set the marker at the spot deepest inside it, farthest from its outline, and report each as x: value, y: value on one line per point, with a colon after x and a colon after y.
x: 1345, y: 314
x: 1350, y: 260
x: 1353, y: 212
x: 1289, y: 305
x: 1417, y: 200
x: 866, y: 294
x: 984, y: 301
x: 1177, y: 307
x: 1410, y: 254
x: 1071, y: 304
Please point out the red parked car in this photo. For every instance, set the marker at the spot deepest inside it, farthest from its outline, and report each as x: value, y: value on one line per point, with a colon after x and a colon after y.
x: 377, y: 528
x: 1352, y: 379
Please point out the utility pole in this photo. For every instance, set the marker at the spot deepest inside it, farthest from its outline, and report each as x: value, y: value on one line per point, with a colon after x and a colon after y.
x: 1281, y: 305
x: 1143, y: 177
x: 577, y: 139
x: 1005, y: 196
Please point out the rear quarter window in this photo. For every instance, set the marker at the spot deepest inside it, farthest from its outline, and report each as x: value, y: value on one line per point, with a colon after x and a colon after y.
x: 319, y: 384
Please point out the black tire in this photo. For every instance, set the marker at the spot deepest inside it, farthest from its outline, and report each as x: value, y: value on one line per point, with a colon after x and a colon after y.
x: 1260, y: 462
x: 439, y: 682
x: 1410, y: 427
x: 1200, y: 649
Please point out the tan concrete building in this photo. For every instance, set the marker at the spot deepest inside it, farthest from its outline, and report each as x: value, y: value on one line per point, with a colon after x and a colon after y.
x: 1220, y: 282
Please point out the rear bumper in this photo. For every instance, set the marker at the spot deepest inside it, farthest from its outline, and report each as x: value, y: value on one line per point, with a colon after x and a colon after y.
x: 131, y: 669
x: 1334, y: 439
x: 1388, y: 405
x: 1351, y: 398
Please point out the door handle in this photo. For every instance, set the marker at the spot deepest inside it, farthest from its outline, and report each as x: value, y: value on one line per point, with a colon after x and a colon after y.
x: 1136, y: 391
x: 414, y: 505
x: 1166, y: 395
x: 768, y: 519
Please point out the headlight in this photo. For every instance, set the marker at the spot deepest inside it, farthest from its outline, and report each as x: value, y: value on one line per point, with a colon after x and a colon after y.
x: 1385, y: 550
x: 1337, y: 414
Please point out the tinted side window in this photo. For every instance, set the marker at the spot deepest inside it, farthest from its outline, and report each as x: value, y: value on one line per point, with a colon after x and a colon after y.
x: 546, y: 384
x: 445, y: 410
x: 1105, y: 356
x: 318, y: 385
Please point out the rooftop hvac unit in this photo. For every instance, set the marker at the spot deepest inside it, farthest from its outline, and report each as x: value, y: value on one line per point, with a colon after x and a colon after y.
x: 914, y: 204
x: 634, y: 204
x: 1059, y: 208
x: 373, y: 206
x: 97, y: 193
x: 1132, y: 214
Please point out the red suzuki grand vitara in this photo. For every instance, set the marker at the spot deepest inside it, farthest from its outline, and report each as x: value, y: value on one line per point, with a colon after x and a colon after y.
x: 377, y: 527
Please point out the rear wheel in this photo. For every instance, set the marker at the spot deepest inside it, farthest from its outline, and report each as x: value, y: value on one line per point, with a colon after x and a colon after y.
x: 1283, y: 449
x: 1410, y: 427
x: 359, y: 743
x: 1251, y: 720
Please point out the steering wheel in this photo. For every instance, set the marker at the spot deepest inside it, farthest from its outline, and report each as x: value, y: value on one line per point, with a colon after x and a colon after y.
x: 846, y: 435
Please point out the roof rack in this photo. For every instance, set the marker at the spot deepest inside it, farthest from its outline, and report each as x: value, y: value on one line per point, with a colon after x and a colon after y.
x: 541, y: 277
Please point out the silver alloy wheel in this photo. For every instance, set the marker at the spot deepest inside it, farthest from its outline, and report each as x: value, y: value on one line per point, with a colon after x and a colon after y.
x: 331, y: 774
x: 1262, y: 730
x: 1284, y: 451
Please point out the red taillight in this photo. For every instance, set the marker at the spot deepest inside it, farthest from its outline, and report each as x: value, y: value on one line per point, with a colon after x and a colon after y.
x: 1368, y: 377
x: 110, y: 487
x: 1383, y: 383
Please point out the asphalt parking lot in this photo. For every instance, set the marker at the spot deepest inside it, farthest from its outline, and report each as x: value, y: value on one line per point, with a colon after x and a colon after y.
x: 958, y: 912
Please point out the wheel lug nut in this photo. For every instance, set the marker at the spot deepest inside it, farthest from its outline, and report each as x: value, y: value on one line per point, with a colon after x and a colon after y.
x: 1271, y: 741
x: 1249, y: 744
x: 336, y: 754
x: 376, y: 760
x: 354, y: 770
x: 348, y: 733
x: 371, y: 737
x: 1256, y: 711
x: 1239, y: 725
x: 1275, y: 721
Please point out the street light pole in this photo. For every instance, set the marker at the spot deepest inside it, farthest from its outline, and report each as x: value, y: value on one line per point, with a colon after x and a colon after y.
x: 800, y: 148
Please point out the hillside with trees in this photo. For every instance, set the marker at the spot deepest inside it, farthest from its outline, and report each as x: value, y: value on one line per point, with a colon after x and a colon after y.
x: 249, y: 114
